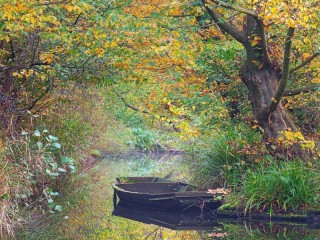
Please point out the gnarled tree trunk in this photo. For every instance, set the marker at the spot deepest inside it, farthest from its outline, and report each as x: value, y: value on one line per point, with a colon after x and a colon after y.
x: 262, y: 85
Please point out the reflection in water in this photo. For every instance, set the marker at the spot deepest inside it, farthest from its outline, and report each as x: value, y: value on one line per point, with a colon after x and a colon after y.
x: 210, y: 225
x: 89, y: 206
x: 190, y: 219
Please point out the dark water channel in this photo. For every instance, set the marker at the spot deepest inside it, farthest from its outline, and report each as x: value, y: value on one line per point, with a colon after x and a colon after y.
x: 95, y: 217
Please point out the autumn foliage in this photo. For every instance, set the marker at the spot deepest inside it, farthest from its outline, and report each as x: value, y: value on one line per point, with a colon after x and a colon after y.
x: 190, y: 67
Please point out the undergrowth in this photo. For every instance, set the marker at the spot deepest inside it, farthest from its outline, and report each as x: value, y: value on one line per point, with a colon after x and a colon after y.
x: 53, y: 144
x: 282, y: 186
x: 223, y: 158
x: 236, y: 158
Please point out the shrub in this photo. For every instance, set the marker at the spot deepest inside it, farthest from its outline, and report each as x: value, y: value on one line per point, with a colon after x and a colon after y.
x: 282, y: 186
x: 145, y: 140
x: 33, y: 164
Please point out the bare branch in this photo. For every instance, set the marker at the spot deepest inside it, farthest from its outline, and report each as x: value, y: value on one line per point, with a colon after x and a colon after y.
x: 35, y: 50
x: 263, y: 41
x: 297, y: 91
x: 301, y: 65
x: 143, y: 111
x: 285, y: 72
x: 224, y: 25
x: 76, y: 21
x: 52, y: 3
x: 40, y: 64
x: 42, y: 96
x: 236, y: 8
x: 13, y: 52
x: 129, y: 105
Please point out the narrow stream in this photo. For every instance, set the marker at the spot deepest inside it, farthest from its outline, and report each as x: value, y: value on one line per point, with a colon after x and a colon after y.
x: 90, y: 213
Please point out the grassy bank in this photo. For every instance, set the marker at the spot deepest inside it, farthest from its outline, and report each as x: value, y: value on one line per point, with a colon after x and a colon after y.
x: 237, y: 159
x: 65, y: 139
x: 88, y: 200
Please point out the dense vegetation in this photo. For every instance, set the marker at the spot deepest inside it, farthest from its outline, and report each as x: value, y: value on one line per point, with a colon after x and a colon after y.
x: 237, y: 82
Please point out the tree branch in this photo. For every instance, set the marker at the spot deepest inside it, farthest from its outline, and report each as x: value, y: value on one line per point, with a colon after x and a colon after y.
x: 285, y: 72
x: 238, y: 9
x: 35, y: 50
x: 263, y: 41
x: 224, y: 25
x: 301, y: 65
x: 297, y: 91
x: 129, y: 105
x: 40, y: 64
x: 34, y: 102
x: 13, y: 52
x: 143, y: 111
x: 52, y: 3
x: 76, y: 21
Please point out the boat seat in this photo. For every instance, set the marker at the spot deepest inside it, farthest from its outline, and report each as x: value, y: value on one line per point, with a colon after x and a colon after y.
x: 152, y: 188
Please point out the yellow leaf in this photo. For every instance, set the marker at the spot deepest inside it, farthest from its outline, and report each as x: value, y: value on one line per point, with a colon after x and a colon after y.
x: 70, y: 8
x: 305, y: 55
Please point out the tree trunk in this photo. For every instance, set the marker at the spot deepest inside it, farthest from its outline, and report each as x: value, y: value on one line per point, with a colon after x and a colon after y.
x: 7, y: 102
x: 262, y: 85
x: 261, y: 76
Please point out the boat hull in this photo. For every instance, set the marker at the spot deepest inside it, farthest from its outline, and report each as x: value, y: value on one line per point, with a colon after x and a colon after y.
x: 164, y: 195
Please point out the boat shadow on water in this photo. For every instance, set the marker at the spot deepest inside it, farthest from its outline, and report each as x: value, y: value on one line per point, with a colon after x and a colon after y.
x: 189, y: 219
x: 212, y: 223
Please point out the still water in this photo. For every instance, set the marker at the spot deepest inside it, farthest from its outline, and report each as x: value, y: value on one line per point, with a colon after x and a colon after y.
x: 89, y: 212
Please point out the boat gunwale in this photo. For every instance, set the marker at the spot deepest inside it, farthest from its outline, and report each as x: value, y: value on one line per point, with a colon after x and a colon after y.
x: 140, y: 193
x: 183, y: 194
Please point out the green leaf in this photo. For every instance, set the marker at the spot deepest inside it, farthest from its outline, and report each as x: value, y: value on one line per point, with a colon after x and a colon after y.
x: 37, y: 133
x: 61, y: 169
x: 56, y: 145
x: 58, y: 208
x: 5, y: 196
x: 40, y: 145
x: 73, y: 168
x: 54, y: 193
x: 54, y: 165
x: 53, y: 138
x: 66, y: 160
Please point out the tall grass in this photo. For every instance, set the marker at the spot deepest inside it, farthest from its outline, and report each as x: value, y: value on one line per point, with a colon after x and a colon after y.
x: 283, y: 186
x: 222, y: 159
x: 34, y: 164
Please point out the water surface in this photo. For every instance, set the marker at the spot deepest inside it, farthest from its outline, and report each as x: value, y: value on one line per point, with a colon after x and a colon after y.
x: 89, y: 211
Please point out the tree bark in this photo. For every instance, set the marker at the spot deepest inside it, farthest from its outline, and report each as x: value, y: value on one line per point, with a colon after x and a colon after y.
x: 7, y: 100
x: 262, y: 85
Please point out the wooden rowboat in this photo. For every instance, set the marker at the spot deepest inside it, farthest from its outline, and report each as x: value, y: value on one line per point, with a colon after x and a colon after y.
x: 161, y: 193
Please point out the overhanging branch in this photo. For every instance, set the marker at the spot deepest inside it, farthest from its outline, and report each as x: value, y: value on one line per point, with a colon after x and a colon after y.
x: 297, y: 91
x: 129, y: 105
x: 236, y: 8
x: 143, y: 111
x: 301, y: 65
x: 224, y: 25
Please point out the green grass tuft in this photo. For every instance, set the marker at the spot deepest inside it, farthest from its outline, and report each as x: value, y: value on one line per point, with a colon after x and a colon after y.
x: 284, y: 186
